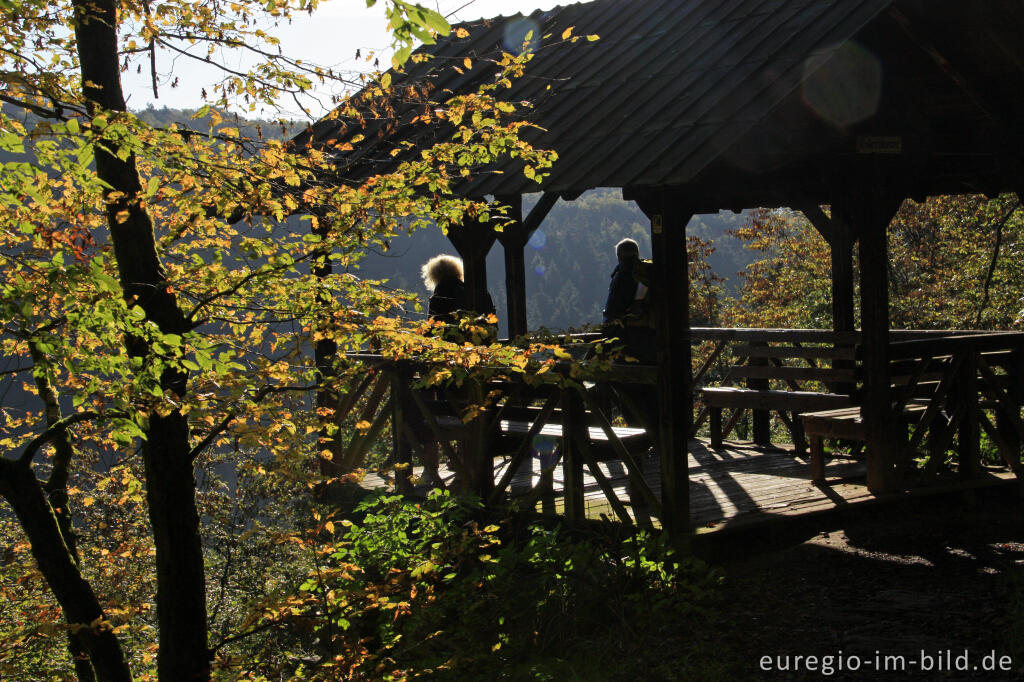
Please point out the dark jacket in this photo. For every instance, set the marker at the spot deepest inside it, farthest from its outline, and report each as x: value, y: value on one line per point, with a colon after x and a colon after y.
x: 621, y: 292
x: 449, y: 296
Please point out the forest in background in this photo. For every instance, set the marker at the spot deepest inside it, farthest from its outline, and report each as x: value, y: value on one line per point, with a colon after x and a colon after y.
x: 569, y: 259
x: 954, y: 261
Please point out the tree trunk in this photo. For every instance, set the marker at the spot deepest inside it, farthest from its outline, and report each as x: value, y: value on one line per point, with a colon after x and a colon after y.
x: 19, y: 486
x: 56, y: 489
x: 170, y: 481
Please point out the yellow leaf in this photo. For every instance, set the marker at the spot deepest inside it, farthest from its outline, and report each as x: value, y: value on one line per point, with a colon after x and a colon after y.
x: 329, y: 526
x: 88, y: 501
x: 363, y: 426
x: 593, y: 36
x: 467, y: 63
x: 567, y: 32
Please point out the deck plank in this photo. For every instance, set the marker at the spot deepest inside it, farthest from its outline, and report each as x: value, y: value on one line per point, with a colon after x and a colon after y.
x: 738, y: 484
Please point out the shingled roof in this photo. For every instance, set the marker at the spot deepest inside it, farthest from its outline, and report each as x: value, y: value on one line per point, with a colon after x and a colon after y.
x: 741, y: 99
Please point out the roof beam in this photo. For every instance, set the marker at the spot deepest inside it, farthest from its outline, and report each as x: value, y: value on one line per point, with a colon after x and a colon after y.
x: 539, y: 212
x: 965, y: 82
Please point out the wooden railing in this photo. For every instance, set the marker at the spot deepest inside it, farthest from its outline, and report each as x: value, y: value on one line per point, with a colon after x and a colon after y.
x: 506, y: 429
x: 969, y: 381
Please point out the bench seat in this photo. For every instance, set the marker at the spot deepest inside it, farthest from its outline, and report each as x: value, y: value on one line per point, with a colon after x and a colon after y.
x: 846, y: 423
x: 786, y: 401
x: 717, y: 398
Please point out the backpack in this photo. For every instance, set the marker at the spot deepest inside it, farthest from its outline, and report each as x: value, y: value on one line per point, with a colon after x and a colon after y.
x: 641, y: 312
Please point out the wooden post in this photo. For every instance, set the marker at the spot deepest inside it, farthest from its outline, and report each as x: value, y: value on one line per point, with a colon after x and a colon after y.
x: 573, y: 434
x: 761, y: 419
x: 513, y: 239
x: 868, y: 209
x: 473, y: 242
x: 480, y: 457
x: 1015, y: 396
x: 325, y: 352
x: 970, y: 426
x: 840, y: 237
x: 402, y: 450
x: 675, y: 395
x: 842, y: 275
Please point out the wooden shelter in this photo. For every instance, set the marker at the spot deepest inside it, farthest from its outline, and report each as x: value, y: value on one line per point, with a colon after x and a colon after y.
x: 691, y: 106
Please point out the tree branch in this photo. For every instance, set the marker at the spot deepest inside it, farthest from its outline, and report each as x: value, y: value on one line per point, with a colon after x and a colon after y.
x: 233, y: 414
x: 55, y: 429
x: 995, y: 260
x: 235, y: 287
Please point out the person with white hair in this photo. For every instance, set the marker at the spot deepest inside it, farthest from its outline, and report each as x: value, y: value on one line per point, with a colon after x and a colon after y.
x: 450, y: 303
x: 443, y: 277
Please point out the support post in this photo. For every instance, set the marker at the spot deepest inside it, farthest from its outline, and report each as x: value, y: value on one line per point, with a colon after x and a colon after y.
x: 1015, y: 396
x: 402, y: 449
x: 970, y: 426
x: 761, y: 420
x: 325, y: 352
x: 574, y: 430
x: 840, y: 237
x: 513, y: 239
x: 842, y: 276
x: 868, y: 209
x: 473, y: 242
x: 671, y: 301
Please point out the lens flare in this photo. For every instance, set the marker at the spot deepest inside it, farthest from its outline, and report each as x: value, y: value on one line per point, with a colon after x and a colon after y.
x: 843, y: 87
x: 522, y: 35
x: 538, y: 240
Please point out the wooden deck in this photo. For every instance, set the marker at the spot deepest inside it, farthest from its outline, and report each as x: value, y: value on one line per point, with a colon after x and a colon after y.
x: 738, y: 485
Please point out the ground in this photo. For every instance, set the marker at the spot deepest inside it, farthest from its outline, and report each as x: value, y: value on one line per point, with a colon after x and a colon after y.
x: 943, y: 577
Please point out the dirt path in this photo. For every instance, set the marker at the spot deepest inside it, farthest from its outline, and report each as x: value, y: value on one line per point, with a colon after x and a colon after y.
x: 940, y: 579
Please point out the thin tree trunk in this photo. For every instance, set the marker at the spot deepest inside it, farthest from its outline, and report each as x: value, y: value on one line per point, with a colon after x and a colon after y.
x: 57, y: 493
x: 170, y: 481
x: 19, y: 486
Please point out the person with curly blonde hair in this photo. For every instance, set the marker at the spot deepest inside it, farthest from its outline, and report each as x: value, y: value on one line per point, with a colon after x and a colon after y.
x: 443, y: 277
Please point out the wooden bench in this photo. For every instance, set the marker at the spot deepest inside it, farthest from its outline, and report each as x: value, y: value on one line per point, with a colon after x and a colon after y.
x: 845, y: 423
x: 777, y: 373
x: 937, y: 383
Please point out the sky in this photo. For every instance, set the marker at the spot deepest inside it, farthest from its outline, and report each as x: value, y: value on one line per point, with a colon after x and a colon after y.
x: 329, y: 38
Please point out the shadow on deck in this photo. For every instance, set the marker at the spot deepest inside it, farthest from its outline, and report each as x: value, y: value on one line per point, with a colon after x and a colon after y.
x: 741, y: 486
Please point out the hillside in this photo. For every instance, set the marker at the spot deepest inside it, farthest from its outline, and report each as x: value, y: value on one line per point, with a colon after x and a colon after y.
x: 568, y: 260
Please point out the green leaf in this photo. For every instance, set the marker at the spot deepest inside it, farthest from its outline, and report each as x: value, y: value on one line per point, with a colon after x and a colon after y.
x: 401, y: 57
x: 437, y: 22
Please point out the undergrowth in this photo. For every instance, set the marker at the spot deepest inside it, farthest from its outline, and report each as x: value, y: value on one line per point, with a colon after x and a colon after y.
x: 435, y: 589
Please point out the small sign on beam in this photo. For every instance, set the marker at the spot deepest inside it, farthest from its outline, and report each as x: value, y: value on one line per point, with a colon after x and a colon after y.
x: 879, y: 144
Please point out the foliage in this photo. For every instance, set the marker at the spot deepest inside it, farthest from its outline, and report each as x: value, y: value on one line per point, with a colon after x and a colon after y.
x: 156, y: 315
x: 952, y: 265
x: 433, y: 588
x: 790, y: 287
